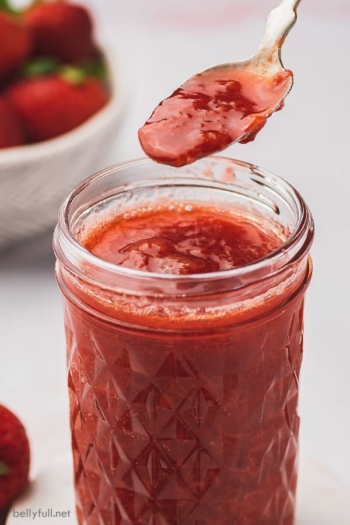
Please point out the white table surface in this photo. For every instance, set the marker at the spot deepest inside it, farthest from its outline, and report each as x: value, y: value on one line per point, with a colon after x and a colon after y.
x: 320, y: 498
x: 163, y: 43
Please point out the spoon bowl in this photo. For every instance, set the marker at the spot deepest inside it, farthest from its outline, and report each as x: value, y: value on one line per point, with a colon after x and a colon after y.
x: 224, y: 104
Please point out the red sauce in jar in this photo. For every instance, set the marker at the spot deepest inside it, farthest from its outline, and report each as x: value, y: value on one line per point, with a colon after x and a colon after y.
x: 183, y: 427
x: 209, y: 112
x: 182, y: 240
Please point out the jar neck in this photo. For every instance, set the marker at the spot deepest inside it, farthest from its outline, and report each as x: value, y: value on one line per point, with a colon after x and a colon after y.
x: 221, y: 176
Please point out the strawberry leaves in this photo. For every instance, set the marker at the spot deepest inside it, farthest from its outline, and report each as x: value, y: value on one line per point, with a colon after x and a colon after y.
x: 40, y: 67
x: 6, y: 6
x: 4, y: 469
x: 73, y: 74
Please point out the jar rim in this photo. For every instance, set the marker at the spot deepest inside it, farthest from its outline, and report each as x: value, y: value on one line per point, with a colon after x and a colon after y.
x: 74, y: 255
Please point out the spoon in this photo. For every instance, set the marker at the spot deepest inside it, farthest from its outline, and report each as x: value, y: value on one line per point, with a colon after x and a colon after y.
x: 225, y: 104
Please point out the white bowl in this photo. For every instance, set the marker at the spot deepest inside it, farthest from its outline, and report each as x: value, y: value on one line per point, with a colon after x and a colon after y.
x: 34, y: 179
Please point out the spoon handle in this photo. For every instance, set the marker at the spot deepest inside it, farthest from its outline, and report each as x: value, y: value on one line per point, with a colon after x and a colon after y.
x: 280, y: 22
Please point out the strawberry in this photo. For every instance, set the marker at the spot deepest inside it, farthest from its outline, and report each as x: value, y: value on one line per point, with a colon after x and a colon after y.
x: 15, y: 42
x: 52, y: 105
x: 61, y: 30
x: 14, y: 457
x: 11, y: 132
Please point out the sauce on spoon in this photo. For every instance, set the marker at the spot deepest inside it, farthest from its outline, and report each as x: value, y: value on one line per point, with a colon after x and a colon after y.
x: 225, y: 104
x: 210, y: 111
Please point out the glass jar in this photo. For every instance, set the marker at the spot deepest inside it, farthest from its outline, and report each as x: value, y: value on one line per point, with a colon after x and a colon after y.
x: 184, y: 388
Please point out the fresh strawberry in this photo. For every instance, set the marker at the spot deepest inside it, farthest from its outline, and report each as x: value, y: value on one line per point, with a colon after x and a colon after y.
x: 11, y: 134
x: 14, y: 457
x: 61, y: 30
x: 52, y: 105
x: 15, y: 43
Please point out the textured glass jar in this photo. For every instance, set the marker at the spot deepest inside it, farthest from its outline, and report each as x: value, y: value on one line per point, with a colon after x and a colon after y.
x: 184, y: 388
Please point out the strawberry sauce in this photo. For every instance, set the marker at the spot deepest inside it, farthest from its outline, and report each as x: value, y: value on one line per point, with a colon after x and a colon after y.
x: 209, y: 112
x: 183, y: 412
x: 182, y: 241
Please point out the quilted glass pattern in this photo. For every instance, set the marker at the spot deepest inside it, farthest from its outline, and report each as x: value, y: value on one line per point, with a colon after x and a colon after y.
x: 171, y: 429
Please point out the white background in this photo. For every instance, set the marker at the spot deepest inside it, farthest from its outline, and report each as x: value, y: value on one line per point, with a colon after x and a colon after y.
x: 162, y: 43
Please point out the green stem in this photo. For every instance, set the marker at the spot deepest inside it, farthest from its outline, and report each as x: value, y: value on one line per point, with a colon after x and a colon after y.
x: 73, y: 74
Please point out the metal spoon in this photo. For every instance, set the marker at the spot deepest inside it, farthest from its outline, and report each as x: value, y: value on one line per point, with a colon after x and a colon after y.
x: 225, y: 104
x: 267, y: 60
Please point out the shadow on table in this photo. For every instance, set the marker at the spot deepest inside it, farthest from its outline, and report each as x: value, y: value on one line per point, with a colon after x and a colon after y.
x: 3, y: 515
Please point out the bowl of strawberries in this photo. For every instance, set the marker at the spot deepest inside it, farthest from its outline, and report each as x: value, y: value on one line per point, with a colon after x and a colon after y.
x: 61, y: 100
